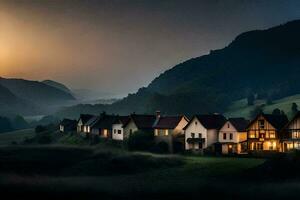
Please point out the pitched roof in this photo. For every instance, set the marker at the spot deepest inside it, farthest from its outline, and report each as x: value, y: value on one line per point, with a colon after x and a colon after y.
x: 122, y: 119
x: 105, y: 122
x: 68, y: 122
x: 167, y: 122
x: 213, y: 121
x: 277, y: 121
x: 240, y: 124
x: 296, y: 116
x: 142, y: 121
x: 85, y: 117
x: 92, y: 121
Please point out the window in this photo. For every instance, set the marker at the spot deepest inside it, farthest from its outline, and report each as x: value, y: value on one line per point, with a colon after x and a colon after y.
x: 224, y: 136
x: 261, y: 124
x: 196, y: 122
x: 130, y: 132
x: 166, y: 132
x: 193, y: 135
x: 272, y: 135
x: 119, y: 131
x: 115, y: 131
x: 200, y: 135
x: 228, y: 125
x: 230, y: 136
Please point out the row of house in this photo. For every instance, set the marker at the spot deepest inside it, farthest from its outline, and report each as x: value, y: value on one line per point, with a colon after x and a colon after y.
x: 212, y: 132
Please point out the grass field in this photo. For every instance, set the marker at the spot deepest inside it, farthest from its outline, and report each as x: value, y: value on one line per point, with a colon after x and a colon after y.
x: 89, y: 172
x: 15, y: 136
x: 240, y: 108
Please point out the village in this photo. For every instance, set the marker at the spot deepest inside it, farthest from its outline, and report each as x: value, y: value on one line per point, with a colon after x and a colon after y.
x: 202, y: 134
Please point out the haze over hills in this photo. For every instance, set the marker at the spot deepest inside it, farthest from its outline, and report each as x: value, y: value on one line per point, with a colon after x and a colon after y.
x: 26, y: 97
x: 263, y: 62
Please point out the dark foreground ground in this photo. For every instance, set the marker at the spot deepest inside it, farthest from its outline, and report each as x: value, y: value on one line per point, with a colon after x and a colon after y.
x: 68, y: 172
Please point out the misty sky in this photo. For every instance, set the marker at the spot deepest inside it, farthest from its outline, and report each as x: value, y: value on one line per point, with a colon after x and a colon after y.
x: 118, y: 46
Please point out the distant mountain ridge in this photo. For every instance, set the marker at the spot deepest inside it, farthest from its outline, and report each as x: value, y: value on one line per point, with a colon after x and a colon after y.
x: 19, y: 96
x: 57, y: 85
x: 263, y: 62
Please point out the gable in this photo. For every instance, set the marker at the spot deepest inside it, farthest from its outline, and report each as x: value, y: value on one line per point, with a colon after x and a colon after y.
x: 255, y: 124
x: 295, y: 124
x: 229, y: 128
x: 195, y: 126
x: 182, y: 123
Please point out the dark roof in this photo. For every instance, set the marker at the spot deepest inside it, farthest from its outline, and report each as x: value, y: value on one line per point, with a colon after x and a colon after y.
x: 240, y: 124
x: 68, y: 122
x: 105, y: 122
x: 85, y: 117
x: 167, y: 122
x: 142, y: 121
x: 213, y: 121
x: 296, y: 116
x: 123, y: 119
x: 277, y: 121
x: 92, y: 121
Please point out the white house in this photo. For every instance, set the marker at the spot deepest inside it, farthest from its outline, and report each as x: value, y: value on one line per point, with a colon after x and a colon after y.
x: 202, y: 132
x: 233, y: 136
x: 117, y: 128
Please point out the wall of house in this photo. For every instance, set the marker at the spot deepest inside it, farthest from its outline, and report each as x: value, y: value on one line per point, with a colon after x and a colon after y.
x: 227, y: 129
x: 212, y: 137
x: 79, y: 126
x: 195, y: 127
x: 160, y: 136
x: 130, y: 126
x: 294, y: 127
x: 116, y: 128
x: 179, y: 128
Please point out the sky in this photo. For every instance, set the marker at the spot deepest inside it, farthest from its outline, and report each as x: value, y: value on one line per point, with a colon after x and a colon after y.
x: 118, y: 46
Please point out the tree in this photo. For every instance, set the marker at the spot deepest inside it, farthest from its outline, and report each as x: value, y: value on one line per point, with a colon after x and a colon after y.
x: 294, y: 108
x: 256, y: 111
x: 250, y: 99
x: 5, y: 125
x: 276, y: 111
x: 141, y: 140
x: 19, y: 123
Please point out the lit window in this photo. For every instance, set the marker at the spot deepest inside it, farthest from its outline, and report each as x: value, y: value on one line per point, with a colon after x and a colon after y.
x: 166, y: 132
x: 272, y: 135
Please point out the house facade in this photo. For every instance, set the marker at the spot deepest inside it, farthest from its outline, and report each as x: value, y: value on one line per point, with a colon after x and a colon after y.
x: 117, y: 128
x: 169, y: 129
x: 202, y: 132
x: 290, y: 135
x: 233, y: 136
x: 263, y: 133
x: 103, y: 126
x: 138, y: 122
x: 81, y: 123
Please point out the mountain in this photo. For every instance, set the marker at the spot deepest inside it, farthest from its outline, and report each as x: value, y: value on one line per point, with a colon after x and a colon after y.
x: 36, y: 92
x: 57, y: 85
x: 261, y: 62
x: 11, y: 104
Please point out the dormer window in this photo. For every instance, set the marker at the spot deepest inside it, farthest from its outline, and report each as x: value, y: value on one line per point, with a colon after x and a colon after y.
x: 261, y: 124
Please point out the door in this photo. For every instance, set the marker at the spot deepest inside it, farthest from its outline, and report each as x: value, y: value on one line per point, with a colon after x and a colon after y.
x: 230, y: 149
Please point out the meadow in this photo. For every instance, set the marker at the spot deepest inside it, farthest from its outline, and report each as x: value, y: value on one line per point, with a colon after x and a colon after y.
x: 70, y: 168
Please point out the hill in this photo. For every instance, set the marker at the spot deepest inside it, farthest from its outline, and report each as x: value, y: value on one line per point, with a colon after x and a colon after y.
x: 57, y: 85
x: 36, y: 92
x: 262, y: 62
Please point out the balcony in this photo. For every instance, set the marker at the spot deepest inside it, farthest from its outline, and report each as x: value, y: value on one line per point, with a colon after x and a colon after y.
x: 195, y: 140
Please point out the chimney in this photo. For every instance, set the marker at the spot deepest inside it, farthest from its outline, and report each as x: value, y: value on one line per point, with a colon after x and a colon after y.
x: 157, y: 114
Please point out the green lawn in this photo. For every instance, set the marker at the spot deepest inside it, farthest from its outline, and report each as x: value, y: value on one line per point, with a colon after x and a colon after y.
x: 90, y: 172
x: 15, y: 136
x: 241, y: 109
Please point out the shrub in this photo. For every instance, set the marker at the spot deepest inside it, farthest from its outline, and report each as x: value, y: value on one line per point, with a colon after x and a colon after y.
x: 140, y: 140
